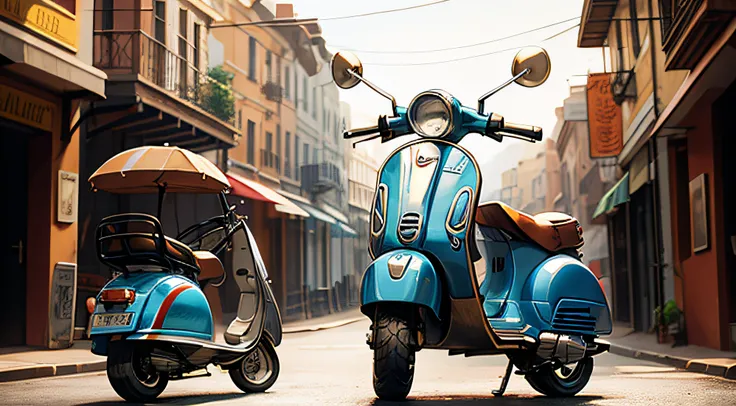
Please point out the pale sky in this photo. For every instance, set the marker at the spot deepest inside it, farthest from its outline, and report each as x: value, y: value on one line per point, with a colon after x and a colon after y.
x: 449, y: 24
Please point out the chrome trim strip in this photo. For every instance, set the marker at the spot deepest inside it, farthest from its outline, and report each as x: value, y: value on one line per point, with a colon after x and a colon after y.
x: 464, y: 220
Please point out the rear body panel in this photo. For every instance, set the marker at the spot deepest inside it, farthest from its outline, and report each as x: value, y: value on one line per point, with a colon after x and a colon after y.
x: 164, y: 304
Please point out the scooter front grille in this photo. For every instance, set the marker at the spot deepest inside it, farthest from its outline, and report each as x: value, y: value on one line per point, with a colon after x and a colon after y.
x: 409, y: 226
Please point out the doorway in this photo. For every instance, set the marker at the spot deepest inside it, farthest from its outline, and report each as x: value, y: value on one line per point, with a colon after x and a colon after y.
x: 13, y: 242
x: 642, y: 257
x: 621, y: 275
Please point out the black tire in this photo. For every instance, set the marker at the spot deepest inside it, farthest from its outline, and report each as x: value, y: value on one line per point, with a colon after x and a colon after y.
x: 265, y: 359
x: 561, y: 382
x: 393, y: 357
x: 131, y: 374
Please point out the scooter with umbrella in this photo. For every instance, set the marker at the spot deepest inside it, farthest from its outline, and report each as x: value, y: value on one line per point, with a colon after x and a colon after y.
x: 152, y: 320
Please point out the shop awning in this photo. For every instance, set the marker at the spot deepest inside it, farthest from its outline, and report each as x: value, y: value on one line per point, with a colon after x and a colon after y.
x: 618, y: 194
x: 347, y: 230
x: 251, y: 189
x: 32, y: 57
x: 316, y: 213
x: 334, y: 213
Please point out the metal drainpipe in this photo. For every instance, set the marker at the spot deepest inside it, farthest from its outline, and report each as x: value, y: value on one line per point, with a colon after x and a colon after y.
x: 658, y: 243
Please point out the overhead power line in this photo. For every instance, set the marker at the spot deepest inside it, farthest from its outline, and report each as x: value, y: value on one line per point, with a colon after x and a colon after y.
x: 410, y: 51
x: 280, y: 22
x: 443, y: 61
x: 384, y: 11
x: 466, y: 57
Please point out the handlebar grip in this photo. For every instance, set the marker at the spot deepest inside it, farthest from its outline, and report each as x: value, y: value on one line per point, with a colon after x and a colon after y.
x: 529, y: 131
x: 359, y: 132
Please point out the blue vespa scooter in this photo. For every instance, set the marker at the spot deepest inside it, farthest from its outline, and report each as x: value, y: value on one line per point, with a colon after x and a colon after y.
x: 152, y: 320
x: 448, y: 273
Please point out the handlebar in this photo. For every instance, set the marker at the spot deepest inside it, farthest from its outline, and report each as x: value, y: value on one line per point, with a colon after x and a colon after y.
x: 523, y: 130
x: 359, y: 132
x: 493, y: 126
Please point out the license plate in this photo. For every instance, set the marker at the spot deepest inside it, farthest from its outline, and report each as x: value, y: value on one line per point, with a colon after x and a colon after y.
x: 112, y: 320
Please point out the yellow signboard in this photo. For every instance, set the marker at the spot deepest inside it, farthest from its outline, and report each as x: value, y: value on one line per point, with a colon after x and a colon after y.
x: 45, y: 18
x: 26, y: 109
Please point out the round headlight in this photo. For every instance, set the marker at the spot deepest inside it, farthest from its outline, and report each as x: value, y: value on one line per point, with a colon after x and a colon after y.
x: 430, y: 114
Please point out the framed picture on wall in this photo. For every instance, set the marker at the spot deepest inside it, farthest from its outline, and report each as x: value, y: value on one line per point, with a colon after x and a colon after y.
x: 66, y: 211
x: 699, y: 213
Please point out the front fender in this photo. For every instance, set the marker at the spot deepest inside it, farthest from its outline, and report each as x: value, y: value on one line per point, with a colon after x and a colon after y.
x: 401, y: 276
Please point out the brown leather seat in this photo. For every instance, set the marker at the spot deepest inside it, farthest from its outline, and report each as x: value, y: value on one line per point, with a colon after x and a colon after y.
x: 553, y: 231
x: 209, y: 265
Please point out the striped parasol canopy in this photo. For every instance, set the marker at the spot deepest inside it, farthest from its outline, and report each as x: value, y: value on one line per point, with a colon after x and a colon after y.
x: 148, y: 169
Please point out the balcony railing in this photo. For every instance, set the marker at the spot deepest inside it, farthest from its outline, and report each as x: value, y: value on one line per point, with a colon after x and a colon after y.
x: 317, y: 178
x: 135, y: 52
x: 270, y: 159
x: 690, y: 27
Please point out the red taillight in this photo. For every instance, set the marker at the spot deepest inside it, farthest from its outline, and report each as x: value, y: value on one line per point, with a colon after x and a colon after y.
x: 117, y: 296
x: 91, y: 303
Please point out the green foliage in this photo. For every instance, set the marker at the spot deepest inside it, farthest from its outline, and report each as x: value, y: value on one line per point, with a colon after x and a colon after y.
x: 217, y: 94
x: 670, y: 315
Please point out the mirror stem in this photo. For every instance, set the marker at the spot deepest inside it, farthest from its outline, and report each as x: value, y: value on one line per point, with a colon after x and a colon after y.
x: 483, y: 98
x: 377, y: 90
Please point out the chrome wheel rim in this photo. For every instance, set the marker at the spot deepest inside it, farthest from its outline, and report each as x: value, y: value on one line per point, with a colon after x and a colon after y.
x: 567, y: 372
x: 143, y: 371
x: 257, y: 366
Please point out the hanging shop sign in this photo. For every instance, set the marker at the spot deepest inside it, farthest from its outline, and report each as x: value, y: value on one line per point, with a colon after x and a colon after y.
x: 604, y: 118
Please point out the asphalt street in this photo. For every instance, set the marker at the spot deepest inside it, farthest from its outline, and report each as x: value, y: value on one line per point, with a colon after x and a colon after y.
x: 333, y: 367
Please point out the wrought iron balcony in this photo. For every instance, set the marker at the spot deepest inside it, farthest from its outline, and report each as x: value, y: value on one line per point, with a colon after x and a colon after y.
x: 691, y: 27
x: 120, y: 53
x: 321, y: 177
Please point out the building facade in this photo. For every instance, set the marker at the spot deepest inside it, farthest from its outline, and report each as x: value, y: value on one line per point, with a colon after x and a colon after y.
x: 695, y: 129
x: 538, y: 179
x: 669, y: 231
x: 509, y: 188
x: 45, y: 80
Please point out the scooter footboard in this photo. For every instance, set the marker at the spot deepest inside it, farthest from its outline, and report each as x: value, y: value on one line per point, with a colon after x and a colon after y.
x: 401, y: 276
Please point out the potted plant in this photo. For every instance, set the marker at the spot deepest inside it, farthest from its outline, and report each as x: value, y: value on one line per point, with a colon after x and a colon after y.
x: 665, y: 318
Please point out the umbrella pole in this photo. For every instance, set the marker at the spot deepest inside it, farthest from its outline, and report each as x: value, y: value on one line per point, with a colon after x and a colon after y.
x: 161, y: 193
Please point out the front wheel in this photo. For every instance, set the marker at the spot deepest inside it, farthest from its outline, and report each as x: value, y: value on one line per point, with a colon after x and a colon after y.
x: 258, y: 371
x: 132, y: 375
x: 567, y: 380
x: 393, y: 358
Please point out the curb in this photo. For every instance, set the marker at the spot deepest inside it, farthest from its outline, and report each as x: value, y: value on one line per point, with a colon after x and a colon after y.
x: 678, y: 362
x: 326, y: 326
x: 45, y: 371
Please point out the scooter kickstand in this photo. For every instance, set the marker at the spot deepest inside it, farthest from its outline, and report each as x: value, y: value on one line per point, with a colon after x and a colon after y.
x: 505, y: 381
